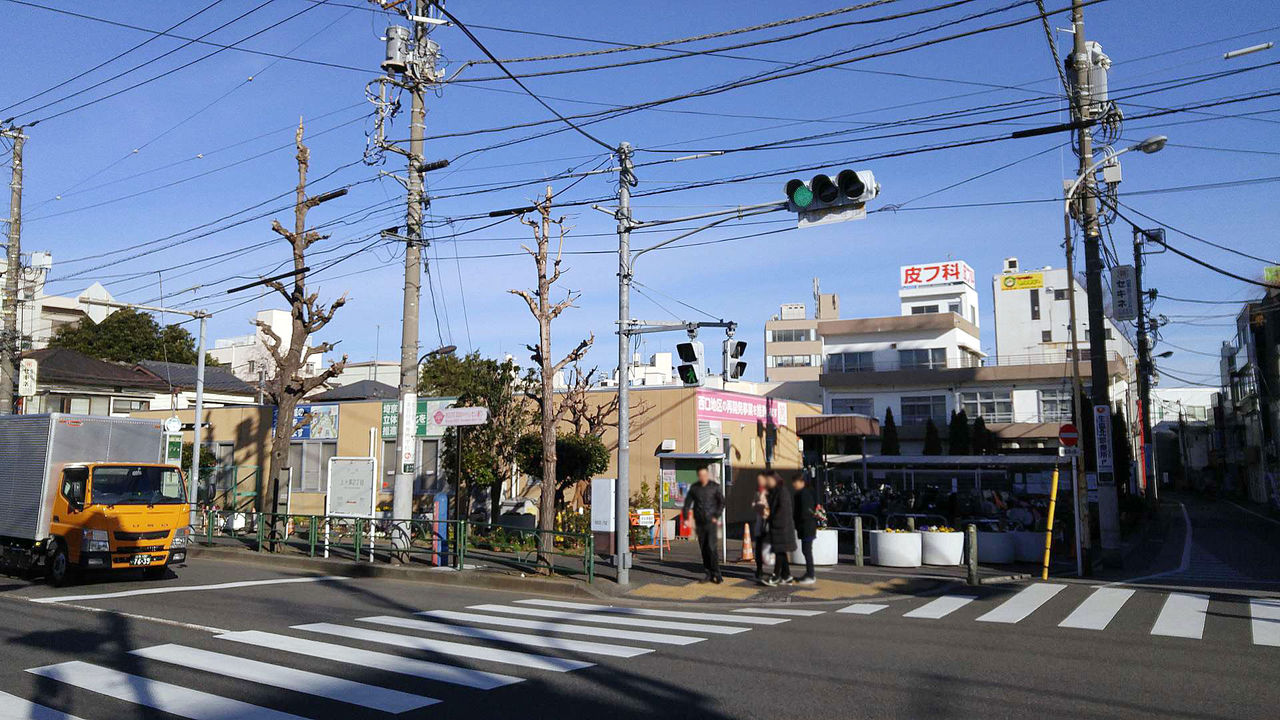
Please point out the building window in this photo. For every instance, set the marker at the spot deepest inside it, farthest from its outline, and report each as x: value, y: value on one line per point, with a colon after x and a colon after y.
x: 792, y: 335
x: 990, y: 405
x: 850, y: 362
x: 919, y: 410
x: 124, y: 406
x: 309, y: 466
x: 922, y: 359
x: 1059, y: 294
x: 1055, y: 405
x: 855, y: 406
x: 1110, y: 336
x: 954, y: 308
x: 791, y: 361
x: 1035, y: 303
x: 73, y: 405
x: 924, y: 309
x: 1046, y: 336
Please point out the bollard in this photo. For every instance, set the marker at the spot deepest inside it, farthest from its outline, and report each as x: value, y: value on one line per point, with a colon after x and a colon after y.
x: 971, y: 538
x: 857, y: 540
x: 911, y: 524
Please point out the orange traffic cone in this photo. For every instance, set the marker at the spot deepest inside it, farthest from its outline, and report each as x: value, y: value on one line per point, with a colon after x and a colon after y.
x: 748, y: 552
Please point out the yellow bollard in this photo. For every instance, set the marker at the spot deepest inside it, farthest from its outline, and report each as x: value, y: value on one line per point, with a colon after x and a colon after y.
x: 1048, y: 533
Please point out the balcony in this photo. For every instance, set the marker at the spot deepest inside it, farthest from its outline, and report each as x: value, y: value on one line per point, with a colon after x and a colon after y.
x: 1033, y: 366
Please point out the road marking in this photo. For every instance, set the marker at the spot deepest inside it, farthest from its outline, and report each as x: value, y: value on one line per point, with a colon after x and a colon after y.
x: 1242, y: 508
x: 862, y: 609
x: 660, y: 638
x: 941, y: 607
x: 1266, y: 621
x: 619, y: 610
x: 602, y: 619
x: 1098, y: 610
x: 1182, y: 566
x: 287, y: 678
x: 1027, y: 601
x: 427, y: 670
x: 585, y: 646
x: 16, y: 707
x: 180, y: 701
x: 147, y: 618
x: 444, y: 647
x: 781, y: 611
x: 186, y: 588
x: 1182, y: 616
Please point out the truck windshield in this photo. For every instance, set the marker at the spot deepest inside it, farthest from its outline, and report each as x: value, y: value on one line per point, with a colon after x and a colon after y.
x: 136, y: 485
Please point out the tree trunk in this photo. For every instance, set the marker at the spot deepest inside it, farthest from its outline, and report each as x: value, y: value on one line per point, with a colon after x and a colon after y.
x: 547, y: 501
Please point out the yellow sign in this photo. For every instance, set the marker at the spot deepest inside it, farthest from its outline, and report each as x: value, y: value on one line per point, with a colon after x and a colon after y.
x: 1271, y: 274
x: 1023, y: 281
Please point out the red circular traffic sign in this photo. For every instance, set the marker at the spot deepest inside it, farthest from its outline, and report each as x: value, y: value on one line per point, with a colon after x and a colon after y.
x: 1068, y: 435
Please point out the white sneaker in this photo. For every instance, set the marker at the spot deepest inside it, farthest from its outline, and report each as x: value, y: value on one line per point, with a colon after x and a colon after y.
x: 807, y: 580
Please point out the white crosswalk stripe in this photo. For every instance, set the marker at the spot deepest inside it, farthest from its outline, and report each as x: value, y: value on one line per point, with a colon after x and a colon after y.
x: 940, y: 607
x: 606, y: 619
x: 781, y: 611
x: 1265, y: 621
x: 173, y: 699
x: 19, y: 709
x: 1027, y: 601
x: 583, y: 646
x: 568, y: 629
x: 444, y: 647
x: 287, y: 678
x: 1182, y: 616
x: 440, y: 672
x: 1097, y: 611
x: 648, y: 612
x: 862, y: 608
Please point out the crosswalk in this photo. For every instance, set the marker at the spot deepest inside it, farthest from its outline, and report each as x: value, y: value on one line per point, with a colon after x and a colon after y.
x: 1179, y: 614
x: 364, y: 663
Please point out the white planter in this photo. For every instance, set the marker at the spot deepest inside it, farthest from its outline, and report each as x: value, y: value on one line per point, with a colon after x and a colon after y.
x: 895, y: 549
x: 826, y: 548
x: 1028, y: 546
x: 235, y: 522
x: 995, y: 547
x: 942, y: 548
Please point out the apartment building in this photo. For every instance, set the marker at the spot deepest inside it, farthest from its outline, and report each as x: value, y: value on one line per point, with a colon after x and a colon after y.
x: 792, y: 350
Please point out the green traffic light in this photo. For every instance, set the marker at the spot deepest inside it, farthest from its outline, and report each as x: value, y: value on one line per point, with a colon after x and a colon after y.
x: 799, y: 194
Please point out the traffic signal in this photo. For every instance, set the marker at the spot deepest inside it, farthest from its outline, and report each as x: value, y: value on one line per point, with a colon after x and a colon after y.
x: 850, y: 187
x: 692, y: 368
x: 734, y: 368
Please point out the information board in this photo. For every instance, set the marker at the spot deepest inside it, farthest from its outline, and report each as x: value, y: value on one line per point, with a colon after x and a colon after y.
x: 352, y: 481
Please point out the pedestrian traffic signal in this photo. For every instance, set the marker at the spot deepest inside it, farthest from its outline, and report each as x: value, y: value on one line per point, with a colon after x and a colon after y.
x: 692, y: 369
x: 734, y: 368
x: 849, y: 188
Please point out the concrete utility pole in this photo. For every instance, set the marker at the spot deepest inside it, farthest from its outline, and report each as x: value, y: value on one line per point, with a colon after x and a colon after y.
x: 622, y: 492
x: 1081, y: 482
x: 13, y: 268
x: 1100, y: 377
x: 1144, y: 374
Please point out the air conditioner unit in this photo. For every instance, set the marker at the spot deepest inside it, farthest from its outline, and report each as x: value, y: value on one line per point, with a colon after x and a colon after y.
x: 669, y: 445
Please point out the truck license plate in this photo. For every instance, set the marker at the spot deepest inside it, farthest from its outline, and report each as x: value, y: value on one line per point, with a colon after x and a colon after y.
x: 140, y: 560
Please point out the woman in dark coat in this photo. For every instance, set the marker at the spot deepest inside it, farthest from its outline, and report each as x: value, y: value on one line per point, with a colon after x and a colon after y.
x: 782, y: 532
x: 806, y: 521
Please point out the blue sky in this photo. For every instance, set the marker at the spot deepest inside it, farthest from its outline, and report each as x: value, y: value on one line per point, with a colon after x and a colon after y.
x: 211, y: 143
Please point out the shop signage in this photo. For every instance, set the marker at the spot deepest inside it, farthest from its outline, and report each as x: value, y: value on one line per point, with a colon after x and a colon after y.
x: 460, y: 416
x: 1124, y: 293
x: 941, y: 273
x: 736, y: 407
x: 1022, y: 281
x: 27, y: 372
x: 322, y: 421
x: 1102, y: 437
x: 427, y: 408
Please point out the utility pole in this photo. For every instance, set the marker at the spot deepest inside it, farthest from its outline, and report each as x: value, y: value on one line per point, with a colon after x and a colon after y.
x: 1100, y: 377
x: 1144, y: 375
x: 622, y: 492
x: 1081, y: 481
x: 13, y: 267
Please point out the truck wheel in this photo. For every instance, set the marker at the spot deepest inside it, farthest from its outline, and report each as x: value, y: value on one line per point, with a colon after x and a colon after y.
x: 58, y: 566
x: 154, y: 573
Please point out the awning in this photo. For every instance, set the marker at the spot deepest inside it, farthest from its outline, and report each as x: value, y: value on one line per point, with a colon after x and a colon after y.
x: 951, y: 462
x: 844, y: 424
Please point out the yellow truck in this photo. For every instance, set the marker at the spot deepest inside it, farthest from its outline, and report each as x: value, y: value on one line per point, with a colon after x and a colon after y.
x: 84, y: 493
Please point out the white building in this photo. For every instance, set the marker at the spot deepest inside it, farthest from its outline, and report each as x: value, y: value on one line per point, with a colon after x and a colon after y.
x: 941, y: 287
x: 1033, y: 316
x: 382, y: 371
x: 41, y: 315
x: 247, y: 355
x: 792, y: 352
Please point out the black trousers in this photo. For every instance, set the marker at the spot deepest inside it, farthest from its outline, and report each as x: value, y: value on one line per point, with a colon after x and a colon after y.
x: 781, y: 565
x: 760, y: 539
x: 806, y: 547
x: 707, y: 544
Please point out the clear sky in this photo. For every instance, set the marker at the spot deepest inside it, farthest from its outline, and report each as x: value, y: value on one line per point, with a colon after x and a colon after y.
x: 201, y: 145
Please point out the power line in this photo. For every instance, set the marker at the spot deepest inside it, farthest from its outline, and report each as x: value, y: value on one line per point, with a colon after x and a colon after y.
x: 1210, y: 243
x: 1162, y: 296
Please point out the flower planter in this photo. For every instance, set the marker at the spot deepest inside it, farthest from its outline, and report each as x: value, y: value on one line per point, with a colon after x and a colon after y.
x: 996, y: 547
x: 895, y: 549
x: 826, y: 548
x: 1028, y: 546
x: 942, y: 548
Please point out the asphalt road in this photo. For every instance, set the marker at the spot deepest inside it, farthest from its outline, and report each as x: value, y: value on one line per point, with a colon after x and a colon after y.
x: 246, y: 642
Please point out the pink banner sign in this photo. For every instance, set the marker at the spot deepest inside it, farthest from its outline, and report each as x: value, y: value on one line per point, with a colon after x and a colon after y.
x: 736, y: 407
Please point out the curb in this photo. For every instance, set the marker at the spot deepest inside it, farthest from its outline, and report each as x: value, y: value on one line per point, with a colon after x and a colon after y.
x: 483, y: 579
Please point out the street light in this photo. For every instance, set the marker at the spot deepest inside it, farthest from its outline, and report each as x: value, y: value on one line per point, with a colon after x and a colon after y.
x: 443, y: 350
x: 1166, y: 354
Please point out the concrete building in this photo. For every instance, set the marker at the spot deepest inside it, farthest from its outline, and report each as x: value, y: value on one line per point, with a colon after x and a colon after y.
x: 247, y: 355
x: 1033, y: 316
x: 41, y: 315
x: 1248, y: 411
x: 792, y: 350
x: 386, y: 372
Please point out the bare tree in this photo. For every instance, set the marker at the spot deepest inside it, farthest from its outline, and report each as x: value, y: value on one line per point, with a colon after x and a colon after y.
x: 578, y: 407
x: 288, y: 385
x: 544, y: 310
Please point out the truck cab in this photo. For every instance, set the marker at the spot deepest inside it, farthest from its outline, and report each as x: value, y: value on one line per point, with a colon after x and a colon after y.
x: 117, y: 516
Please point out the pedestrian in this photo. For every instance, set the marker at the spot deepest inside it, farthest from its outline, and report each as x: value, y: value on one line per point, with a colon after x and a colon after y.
x: 806, y: 520
x: 705, y: 501
x: 782, y: 532
x: 760, y: 525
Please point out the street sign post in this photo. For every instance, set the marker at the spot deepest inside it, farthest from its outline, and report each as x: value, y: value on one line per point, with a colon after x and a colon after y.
x: 1102, y: 439
x: 1124, y: 292
x: 1068, y: 435
x: 461, y: 416
x: 27, y: 377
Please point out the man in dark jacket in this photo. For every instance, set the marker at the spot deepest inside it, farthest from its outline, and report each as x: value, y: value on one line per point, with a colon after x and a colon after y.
x: 806, y: 519
x: 782, y: 533
x: 706, y: 501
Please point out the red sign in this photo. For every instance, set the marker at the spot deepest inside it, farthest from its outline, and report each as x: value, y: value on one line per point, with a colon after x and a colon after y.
x: 1068, y: 435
